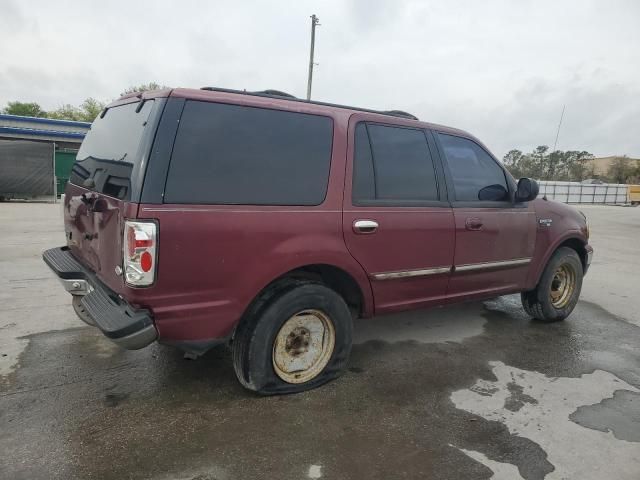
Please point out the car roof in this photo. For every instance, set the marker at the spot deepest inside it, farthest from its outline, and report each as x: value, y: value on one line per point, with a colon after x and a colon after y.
x: 283, y: 101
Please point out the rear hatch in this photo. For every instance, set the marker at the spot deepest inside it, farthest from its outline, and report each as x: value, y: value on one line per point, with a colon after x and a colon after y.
x: 105, y: 184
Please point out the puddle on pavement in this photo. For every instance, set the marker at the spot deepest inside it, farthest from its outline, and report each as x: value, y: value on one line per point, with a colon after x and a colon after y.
x: 541, y: 408
x: 80, y: 409
x: 619, y: 415
x: 452, y: 324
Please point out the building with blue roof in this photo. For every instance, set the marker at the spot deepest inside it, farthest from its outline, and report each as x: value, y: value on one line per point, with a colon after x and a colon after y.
x: 22, y: 140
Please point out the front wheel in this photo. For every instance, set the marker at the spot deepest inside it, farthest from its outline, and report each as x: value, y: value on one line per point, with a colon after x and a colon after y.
x: 557, y: 293
x: 296, y: 339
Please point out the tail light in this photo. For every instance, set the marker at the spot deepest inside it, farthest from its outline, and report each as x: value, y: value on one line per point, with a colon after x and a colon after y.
x: 139, y: 252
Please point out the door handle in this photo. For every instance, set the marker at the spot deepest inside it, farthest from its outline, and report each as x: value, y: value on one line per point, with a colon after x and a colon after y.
x: 473, y: 223
x: 365, y: 226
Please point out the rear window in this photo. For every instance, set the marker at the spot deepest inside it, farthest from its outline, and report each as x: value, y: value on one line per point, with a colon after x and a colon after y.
x: 110, y: 157
x: 230, y: 154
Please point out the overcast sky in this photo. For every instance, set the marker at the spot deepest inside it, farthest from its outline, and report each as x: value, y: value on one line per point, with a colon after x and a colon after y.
x: 499, y: 69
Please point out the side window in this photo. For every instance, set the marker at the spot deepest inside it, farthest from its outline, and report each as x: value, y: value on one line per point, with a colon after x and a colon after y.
x: 392, y: 163
x: 231, y: 154
x: 476, y: 176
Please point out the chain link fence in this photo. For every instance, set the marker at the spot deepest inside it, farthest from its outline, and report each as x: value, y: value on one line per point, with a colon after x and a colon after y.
x: 576, y: 192
x: 26, y: 169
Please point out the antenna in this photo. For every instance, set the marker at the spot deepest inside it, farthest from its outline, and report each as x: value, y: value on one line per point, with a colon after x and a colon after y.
x: 555, y: 144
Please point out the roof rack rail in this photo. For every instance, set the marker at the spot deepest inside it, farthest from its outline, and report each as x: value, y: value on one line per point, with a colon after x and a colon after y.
x: 276, y: 93
x: 400, y: 113
x: 270, y: 93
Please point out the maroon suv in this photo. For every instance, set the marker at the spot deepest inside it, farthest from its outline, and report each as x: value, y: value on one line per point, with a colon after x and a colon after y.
x: 196, y: 217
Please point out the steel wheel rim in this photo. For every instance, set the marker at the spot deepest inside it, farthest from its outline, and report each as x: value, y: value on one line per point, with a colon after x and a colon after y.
x: 303, y: 346
x: 563, y: 285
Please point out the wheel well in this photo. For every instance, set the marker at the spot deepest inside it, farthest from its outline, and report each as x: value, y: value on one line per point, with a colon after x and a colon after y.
x: 579, y: 246
x: 333, y: 277
x: 336, y: 279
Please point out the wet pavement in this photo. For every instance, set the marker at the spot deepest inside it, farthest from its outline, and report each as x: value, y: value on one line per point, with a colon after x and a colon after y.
x: 471, y: 391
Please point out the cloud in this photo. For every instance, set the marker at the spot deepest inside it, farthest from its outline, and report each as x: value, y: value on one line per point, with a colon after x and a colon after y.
x: 499, y: 69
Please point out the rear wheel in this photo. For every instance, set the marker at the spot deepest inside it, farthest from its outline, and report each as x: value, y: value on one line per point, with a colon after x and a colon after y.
x: 295, y: 338
x: 557, y: 293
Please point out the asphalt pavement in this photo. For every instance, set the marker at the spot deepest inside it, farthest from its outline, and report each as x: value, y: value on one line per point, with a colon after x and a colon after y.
x: 471, y: 391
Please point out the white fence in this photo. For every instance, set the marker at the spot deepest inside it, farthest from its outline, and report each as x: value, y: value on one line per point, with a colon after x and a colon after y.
x: 575, y: 192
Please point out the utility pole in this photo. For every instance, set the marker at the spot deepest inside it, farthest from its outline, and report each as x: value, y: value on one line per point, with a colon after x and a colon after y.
x: 314, y: 22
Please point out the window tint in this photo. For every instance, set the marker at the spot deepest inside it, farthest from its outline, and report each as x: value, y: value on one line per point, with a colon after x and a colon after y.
x: 108, y: 160
x: 476, y: 176
x: 392, y: 163
x: 230, y: 154
x: 363, y: 179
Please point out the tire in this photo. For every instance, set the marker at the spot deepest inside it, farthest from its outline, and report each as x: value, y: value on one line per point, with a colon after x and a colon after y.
x: 558, y: 290
x: 305, y: 311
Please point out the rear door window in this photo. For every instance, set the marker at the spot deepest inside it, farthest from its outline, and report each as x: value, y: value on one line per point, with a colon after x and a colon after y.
x: 476, y: 176
x: 231, y: 154
x: 392, y: 164
x: 110, y: 158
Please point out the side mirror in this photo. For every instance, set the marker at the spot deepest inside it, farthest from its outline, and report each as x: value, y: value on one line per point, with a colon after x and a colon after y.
x: 527, y: 190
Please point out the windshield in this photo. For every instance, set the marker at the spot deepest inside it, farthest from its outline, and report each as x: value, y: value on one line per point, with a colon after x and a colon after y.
x: 110, y: 158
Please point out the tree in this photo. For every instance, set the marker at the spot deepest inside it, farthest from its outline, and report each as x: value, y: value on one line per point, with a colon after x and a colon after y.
x: 65, y: 112
x: 620, y: 170
x: 90, y: 109
x: 143, y: 88
x: 86, y: 112
x: 539, y: 162
x: 513, y: 160
x: 544, y: 165
x: 578, y: 165
x: 24, y: 109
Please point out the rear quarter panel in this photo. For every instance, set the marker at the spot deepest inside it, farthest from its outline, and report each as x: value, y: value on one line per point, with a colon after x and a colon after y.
x: 214, y: 259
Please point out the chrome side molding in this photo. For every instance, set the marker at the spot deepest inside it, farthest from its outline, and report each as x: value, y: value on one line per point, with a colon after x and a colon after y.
x: 470, y: 267
x: 491, y: 265
x: 411, y: 273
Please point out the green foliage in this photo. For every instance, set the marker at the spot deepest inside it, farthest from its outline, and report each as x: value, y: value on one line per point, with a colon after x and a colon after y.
x: 571, y: 165
x: 86, y: 112
x: 24, y: 109
x: 65, y: 112
x: 91, y: 108
x: 143, y: 88
x: 623, y: 170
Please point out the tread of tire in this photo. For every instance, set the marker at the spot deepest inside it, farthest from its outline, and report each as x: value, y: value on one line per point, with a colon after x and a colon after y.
x: 530, y: 301
x: 251, y: 317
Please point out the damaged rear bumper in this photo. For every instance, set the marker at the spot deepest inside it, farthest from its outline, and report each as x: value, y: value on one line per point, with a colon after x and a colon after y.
x: 118, y: 320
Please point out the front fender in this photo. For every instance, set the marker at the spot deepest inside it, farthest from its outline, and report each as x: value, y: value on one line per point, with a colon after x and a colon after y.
x: 545, y: 249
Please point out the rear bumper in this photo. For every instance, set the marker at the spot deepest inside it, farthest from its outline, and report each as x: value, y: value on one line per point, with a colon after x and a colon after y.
x: 121, y: 323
